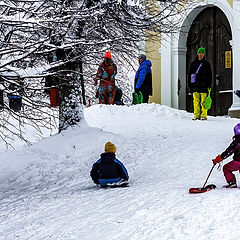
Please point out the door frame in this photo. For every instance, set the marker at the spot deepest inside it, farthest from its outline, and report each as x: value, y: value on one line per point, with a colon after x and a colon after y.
x: 179, y: 51
x: 213, y: 23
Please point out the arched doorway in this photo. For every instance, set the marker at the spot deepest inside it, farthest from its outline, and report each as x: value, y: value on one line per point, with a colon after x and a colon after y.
x: 211, y: 30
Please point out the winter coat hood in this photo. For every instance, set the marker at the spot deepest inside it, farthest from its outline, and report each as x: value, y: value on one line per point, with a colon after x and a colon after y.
x: 108, y: 157
x: 146, y: 63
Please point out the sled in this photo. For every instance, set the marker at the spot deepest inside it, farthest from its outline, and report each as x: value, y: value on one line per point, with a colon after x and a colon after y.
x: 208, y: 101
x: 137, y: 98
x: 204, y: 188
x: 116, y: 185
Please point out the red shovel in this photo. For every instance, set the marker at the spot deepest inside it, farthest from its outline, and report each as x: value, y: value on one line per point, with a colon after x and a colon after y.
x: 204, y: 188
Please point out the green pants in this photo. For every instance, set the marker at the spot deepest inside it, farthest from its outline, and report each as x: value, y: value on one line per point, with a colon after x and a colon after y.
x: 198, y: 100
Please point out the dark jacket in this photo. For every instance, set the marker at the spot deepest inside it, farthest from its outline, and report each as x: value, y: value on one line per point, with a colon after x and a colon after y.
x: 203, y: 78
x: 143, y: 78
x: 108, y: 169
x: 51, y: 82
x: 234, y: 147
x: 118, y: 96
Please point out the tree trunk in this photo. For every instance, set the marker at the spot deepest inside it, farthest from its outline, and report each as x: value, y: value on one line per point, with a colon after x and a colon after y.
x: 71, y: 108
x: 82, y: 82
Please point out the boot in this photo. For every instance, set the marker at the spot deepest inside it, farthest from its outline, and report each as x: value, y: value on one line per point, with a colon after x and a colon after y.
x: 231, y: 185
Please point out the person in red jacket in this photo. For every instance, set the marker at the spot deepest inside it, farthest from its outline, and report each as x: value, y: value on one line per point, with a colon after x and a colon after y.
x: 106, y: 74
x: 234, y: 165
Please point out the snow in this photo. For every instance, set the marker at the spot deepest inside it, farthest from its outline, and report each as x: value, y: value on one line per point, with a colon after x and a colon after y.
x: 47, y: 193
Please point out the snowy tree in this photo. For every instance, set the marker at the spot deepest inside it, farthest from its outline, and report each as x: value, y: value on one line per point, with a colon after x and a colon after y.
x: 64, y: 40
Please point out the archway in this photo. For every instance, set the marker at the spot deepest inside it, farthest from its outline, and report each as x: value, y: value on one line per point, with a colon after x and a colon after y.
x: 212, y: 30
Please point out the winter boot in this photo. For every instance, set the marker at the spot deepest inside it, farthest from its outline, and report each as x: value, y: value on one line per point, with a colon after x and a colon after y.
x: 231, y: 185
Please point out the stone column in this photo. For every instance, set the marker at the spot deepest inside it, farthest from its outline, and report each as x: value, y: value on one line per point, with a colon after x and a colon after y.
x: 234, y: 110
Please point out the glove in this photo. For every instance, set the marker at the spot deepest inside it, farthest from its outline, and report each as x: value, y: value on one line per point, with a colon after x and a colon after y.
x: 137, y: 90
x: 218, y: 159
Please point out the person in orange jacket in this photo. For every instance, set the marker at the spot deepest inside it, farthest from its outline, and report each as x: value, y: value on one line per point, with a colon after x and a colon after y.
x: 106, y: 74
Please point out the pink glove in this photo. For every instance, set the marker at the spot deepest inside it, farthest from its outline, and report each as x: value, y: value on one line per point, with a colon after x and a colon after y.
x: 218, y: 159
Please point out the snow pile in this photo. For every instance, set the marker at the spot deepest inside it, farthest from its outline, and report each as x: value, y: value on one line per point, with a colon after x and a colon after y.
x: 46, y: 191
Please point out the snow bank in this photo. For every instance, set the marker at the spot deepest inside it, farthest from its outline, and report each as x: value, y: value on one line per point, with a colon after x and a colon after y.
x: 46, y: 191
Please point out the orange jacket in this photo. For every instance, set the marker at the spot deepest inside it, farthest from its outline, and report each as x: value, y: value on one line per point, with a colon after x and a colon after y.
x: 106, y: 73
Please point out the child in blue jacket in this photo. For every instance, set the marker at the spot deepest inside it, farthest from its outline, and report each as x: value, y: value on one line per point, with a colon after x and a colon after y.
x: 108, y: 170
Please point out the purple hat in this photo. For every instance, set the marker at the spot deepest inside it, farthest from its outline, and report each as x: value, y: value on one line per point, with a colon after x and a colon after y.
x: 237, y: 129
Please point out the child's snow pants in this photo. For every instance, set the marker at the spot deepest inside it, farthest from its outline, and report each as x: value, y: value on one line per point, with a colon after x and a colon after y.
x: 229, y: 168
x: 198, y: 100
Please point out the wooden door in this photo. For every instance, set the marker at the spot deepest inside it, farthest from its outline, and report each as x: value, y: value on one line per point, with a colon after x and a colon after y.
x: 211, y: 30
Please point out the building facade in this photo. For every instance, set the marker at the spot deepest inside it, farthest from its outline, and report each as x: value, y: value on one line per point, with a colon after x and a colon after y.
x: 214, y: 25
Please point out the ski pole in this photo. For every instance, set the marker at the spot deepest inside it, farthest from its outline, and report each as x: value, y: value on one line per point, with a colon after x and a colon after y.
x: 208, y: 175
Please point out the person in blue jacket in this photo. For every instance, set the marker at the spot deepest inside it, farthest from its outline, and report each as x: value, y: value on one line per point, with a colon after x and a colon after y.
x: 143, y: 78
x: 108, y: 170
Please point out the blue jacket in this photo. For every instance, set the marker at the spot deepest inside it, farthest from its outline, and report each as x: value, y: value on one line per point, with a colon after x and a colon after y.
x: 143, y: 78
x: 108, y: 170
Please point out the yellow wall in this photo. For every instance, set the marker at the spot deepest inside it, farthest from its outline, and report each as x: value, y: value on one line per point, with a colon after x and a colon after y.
x: 152, y: 52
x: 230, y: 2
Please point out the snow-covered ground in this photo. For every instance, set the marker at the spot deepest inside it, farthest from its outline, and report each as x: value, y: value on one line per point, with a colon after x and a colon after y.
x: 17, y: 128
x: 46, y: 191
